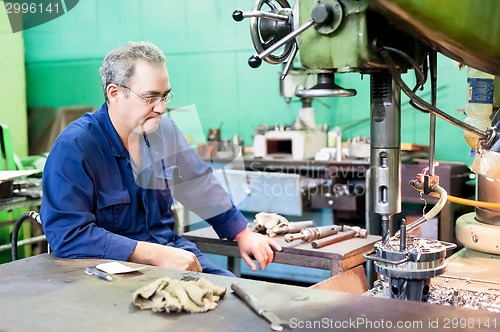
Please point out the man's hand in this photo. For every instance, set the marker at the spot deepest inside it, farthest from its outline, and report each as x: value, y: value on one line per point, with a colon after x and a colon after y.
x: 258, y: 246
x: 165, y: 256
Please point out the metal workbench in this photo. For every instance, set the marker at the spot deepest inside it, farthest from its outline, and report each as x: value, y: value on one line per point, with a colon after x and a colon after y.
x: 45, y: 293
x: 336, y: 258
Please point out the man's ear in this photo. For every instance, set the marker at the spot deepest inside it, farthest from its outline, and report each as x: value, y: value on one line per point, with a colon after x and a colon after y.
x: 112, y: 91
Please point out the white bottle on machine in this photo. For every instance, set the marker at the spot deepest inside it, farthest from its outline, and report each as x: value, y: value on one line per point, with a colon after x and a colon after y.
x: 334, y: 138
x: 479, y: 104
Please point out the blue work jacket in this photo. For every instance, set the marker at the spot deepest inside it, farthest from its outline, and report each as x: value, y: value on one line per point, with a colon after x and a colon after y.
x: 98, y: 203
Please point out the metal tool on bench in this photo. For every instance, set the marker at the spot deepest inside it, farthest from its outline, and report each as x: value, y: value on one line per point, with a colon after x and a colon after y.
x: 348, y: 232
x: 313, y: 233
x: 259, y: 308
x: 293, y: 227
x: 92, y: 271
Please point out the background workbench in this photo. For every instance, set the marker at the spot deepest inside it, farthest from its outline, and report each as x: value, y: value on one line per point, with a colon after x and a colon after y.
x: 45, y: 293
x: 336, y: 258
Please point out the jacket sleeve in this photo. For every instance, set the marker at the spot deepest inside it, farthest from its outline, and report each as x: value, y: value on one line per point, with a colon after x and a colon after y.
x: 199, y: 190
x: 67, y: 209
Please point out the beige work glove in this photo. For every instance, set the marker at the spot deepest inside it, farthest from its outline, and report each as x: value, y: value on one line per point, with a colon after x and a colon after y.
x: 172, y: 295
x: 269, y: 223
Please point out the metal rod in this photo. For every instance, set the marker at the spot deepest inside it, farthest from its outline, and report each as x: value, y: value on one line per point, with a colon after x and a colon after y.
x: 320, y: 243
x: 432, y: 120
x: 432, y: 144
x: 31, y: 240
x: 383, y: 260
x: 286, y: 39
x: 402, y: 239
x: 273, y: 16
x: 289, y: 63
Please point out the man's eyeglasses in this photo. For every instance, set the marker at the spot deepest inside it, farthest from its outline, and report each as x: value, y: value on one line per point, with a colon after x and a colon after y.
x: 152, y: 100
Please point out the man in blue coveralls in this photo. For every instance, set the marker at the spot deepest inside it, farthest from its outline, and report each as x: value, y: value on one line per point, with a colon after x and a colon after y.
x: 110, y: 177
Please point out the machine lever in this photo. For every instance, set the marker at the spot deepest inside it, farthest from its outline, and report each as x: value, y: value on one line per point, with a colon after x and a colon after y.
x: 289, y: 62
x: 239, y: 15
x: 256, y: 60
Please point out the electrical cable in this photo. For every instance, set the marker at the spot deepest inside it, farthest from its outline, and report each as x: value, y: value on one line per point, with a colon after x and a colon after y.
x: 420, y: 74
x: 432, y: 109
x: 443, y: 197
x: 17, y: 226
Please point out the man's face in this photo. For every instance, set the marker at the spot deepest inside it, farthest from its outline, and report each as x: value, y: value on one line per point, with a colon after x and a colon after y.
x: 134, y: 111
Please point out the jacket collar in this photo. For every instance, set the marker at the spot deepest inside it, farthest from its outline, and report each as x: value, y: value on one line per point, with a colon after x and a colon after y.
x: 117, y: 147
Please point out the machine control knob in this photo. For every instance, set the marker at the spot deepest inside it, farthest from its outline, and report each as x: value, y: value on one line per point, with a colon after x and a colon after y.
x: 327, y: 17
x: 254, y: 61
x: 322, y: 14
x: 238, y: 15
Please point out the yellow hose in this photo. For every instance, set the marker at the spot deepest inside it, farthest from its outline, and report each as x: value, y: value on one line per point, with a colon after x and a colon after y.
x: 470, y: 202
x: 464, y: 201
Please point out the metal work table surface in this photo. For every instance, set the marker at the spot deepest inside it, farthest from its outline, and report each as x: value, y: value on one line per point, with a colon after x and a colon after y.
x: 45, y: 293
x: 19, y: 202
x: 472, y: 270
x: 337, y: 258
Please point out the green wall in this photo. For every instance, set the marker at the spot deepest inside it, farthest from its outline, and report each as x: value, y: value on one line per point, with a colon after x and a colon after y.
x: 206, y: 50
x: 353, y: 112
x: 12, y: 84
x: 207, y: 56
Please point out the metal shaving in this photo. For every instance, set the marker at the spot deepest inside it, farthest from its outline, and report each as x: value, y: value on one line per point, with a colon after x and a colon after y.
x: 464, y: 298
